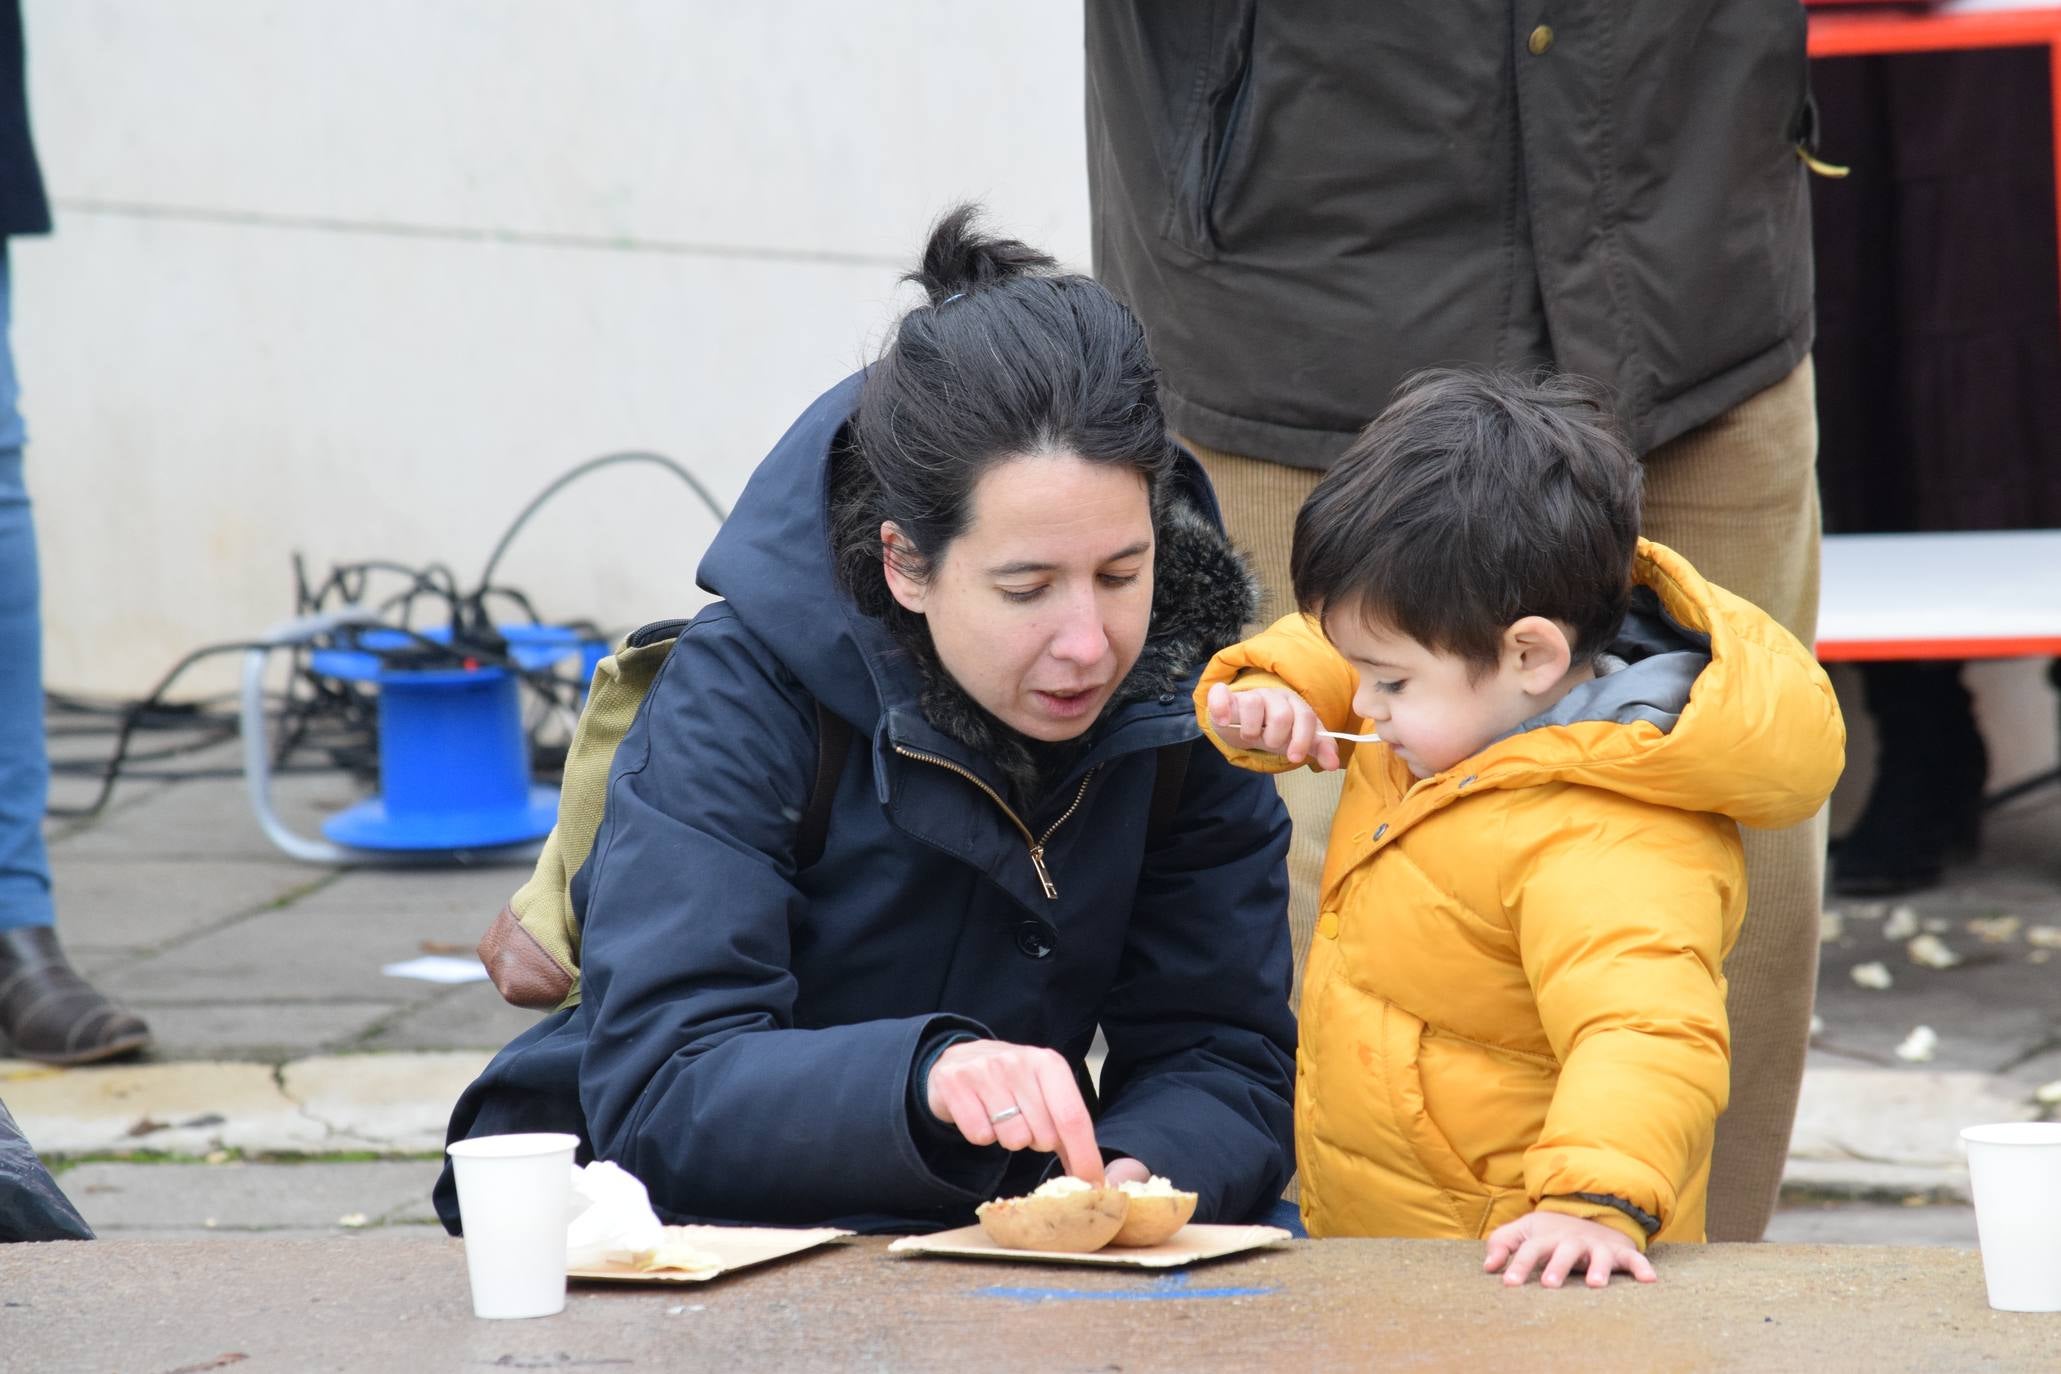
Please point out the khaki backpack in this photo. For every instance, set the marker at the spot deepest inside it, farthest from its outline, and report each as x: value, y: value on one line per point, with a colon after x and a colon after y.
x: 532, y: 950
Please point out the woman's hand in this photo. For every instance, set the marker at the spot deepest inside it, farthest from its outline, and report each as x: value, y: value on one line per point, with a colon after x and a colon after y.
x: 1563, y: 1242
x: 1274, y: 719
x: 1020, y: 1097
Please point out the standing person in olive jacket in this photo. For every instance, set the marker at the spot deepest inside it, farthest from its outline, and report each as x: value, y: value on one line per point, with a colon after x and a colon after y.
x: 1307, y: 203
x: 987, y: 558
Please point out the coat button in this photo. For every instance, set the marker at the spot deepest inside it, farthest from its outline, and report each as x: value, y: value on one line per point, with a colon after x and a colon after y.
x: 1166, y: 698
x: 1541, y: 39
x: 1380, y: 830
x: 1327, y: 925
x: 1036, y: 939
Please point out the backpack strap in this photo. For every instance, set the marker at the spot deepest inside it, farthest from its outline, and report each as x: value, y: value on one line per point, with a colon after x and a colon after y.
x: 833, y: 742
x: 657, y: 632
x: 1166, y: 789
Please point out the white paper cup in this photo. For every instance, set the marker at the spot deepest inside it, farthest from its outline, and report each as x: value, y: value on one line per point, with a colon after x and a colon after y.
x: 2014, y: 1168
x: 513, y: 1195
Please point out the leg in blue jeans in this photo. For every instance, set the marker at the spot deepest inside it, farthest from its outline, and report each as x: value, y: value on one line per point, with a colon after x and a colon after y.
x: 24, y: 766
x: 46, y: 1010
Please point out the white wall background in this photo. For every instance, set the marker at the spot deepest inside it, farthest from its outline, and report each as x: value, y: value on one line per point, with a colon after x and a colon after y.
x: 358, y: 277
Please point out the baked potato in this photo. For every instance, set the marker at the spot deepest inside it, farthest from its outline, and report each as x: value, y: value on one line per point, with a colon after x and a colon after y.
x: 1064, y: 1214
x: 1155, y: 1210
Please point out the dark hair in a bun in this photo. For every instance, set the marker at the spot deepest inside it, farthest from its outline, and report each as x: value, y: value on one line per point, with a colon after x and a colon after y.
x: 1009, y: 357
x: 959, y: 258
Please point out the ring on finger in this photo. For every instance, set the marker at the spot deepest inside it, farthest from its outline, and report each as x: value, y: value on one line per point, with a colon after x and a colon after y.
x: 1008, y: 1113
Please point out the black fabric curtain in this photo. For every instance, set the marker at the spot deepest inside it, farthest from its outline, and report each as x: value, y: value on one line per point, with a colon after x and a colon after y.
x: 1939, y: 314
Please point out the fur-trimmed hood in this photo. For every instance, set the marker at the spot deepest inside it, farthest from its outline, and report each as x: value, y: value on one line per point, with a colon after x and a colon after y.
x: 774, y: 562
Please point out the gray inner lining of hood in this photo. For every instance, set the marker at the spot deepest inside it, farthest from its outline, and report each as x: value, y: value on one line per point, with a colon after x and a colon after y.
x: 1662, y: 660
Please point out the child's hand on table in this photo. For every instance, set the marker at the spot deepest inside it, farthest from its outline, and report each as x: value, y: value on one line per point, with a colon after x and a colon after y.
x: 1562, y: 1242
x: 1273, y: 719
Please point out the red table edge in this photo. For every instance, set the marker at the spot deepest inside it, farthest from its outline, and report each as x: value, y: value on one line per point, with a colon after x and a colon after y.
x: 1849, y: 33
x: 1879, y: 650
x: 1852, y: 33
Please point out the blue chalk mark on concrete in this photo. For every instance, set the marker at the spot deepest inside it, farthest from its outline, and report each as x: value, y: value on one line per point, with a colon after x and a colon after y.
x: 1172, y: 1288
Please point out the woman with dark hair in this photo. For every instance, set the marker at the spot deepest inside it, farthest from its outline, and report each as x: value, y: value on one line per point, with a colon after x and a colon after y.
x: 984, y: 556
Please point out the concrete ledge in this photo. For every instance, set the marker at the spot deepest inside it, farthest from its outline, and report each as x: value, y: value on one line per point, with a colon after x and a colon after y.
x: 1857, y: 1180
x: 385, y: 1104
x: 391, y: 1103
x: 1899, y: 1116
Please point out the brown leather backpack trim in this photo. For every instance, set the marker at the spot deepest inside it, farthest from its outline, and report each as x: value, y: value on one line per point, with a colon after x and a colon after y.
x: 525, y: 974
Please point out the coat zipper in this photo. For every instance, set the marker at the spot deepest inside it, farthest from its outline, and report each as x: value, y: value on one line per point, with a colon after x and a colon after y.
x: 1037, y: 844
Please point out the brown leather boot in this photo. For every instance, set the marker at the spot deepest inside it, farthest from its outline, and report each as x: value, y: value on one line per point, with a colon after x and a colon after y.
x: 48, y: 1012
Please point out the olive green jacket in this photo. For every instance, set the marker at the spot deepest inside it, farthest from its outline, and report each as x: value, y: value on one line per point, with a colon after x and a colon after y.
x: 1306, y: 202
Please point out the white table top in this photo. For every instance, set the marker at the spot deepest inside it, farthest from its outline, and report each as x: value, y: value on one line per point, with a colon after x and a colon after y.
x: 1993, y: 594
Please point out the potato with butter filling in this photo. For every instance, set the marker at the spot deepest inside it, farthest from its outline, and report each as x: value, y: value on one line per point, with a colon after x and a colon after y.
x: 1064, y: 1214
x: 1156, y: 1209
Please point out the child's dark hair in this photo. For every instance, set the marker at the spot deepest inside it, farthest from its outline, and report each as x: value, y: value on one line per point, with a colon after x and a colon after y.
x: 1476, y: 499
x: 1008, y: 357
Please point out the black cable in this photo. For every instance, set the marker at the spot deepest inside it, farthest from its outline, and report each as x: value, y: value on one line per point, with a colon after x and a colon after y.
x: 216, y: 736
x: 69, y: 703
x: 346, y: 714
x: 715, y: 507
x: 511, y: 594
x: 459, y: 651
x: 433, y: 579
x: 149, y: 701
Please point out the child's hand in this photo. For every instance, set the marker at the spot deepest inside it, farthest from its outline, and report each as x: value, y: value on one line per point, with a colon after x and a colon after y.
x: 1274, y: 719
x: 1563, y: 1242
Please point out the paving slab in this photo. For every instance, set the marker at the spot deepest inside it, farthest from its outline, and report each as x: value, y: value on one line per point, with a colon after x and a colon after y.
x: 1879, y: 1132
x: 469, y: 1016
x: 1866, y: 1180
x: 394, y: 1103
x: 301, y: 953
x: 470, y: 894
x: 1864, y: 1223
x: 170, y: 1199
x: 70, y: 795
x: 2001, y: 1001
x: 151, y: 903
x: 1894, y: 1117
x: 2039, y: 1071
x: 385, y: 1104
x: 268, y: 1032
x: 189, y: 1108
x: 1980, y: 1024
x: 208, y: 819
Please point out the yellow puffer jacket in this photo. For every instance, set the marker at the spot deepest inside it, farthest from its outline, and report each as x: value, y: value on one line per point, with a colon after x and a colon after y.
x: 1515, y: 995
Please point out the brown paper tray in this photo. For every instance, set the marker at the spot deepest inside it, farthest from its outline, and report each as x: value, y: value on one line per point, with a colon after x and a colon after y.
x: 738, y: 1247
x: 1192, y: 1242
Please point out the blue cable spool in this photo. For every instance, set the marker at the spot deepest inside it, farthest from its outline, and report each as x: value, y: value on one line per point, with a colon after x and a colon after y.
x: 454, y: 768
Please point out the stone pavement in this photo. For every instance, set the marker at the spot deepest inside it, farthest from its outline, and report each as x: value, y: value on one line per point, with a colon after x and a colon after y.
x: 296, y: 1087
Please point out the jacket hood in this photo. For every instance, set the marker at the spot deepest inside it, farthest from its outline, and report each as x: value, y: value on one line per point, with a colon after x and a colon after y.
x: 1718, y: 709
x: 773, y: 562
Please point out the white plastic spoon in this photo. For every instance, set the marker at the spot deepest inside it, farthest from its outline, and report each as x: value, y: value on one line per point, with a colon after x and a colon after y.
x: 1356, y: 739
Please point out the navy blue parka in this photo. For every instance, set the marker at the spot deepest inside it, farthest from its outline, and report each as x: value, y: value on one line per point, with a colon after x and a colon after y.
x: 749, y: 1030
